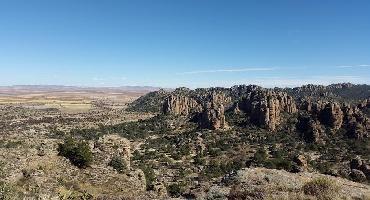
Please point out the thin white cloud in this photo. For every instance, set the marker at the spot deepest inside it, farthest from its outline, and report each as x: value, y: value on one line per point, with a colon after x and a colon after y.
x: 271, y: 82
x: 352, y: 66
x: 97, y: 79
x: 229, y: 70
x: 345, y: 66
x: 298, y: 81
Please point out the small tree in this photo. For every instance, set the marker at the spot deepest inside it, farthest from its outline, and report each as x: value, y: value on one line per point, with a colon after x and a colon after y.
x: 78, y: 153
x: 260, y: 156
x: 118, y: 164
x: 174, y: 190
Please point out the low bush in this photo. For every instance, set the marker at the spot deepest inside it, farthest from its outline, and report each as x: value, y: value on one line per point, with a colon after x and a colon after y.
x: 260, y: 156
x: 174, y: 190
x: 77, y: 152
x: 118, y: 164
x: 149, y: 176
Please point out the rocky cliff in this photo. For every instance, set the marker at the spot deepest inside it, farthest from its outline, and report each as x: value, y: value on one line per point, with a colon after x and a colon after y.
x: 316, y: 109
x: 334, y: 116
x: 213, y: 115
x: 208, y: 109
x: 265, y: 107
x: 181, y: 105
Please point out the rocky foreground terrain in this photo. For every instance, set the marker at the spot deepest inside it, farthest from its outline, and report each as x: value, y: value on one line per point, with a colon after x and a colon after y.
x: 243, y: 142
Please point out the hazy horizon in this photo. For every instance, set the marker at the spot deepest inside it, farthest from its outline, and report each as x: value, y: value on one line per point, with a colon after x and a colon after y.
x: 169, y: 88
x: 184, y: 43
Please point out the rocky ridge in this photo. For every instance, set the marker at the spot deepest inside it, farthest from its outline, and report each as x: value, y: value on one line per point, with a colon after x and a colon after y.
x: 316, y: 108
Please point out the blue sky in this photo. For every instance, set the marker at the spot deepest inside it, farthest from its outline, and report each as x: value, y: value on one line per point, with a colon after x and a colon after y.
x: 191, y: 43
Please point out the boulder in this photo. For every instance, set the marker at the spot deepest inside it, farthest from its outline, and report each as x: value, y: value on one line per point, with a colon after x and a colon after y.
x: 356, y: 163
x: 301, y: 161
x: 357, y: 175
x: 366, y: 170
x: 109, y: 146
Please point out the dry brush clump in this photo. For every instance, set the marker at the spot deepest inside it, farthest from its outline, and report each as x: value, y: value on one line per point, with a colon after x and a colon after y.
x: 321, y: 188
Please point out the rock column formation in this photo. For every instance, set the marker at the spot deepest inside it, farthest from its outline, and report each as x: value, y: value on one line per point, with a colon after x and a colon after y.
x: 332, y: 115
x: 265, y: 107
x: 213, y: 116
x: 180, y: 105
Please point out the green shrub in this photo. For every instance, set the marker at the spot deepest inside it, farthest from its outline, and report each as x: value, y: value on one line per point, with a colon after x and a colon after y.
x: 260, y: 156
x: 199, y: 160
x: 213, y: 170
x: 174, y: 190
x: 279, y: 163
x: 149, y: 176
x: 78, y: 153
x: 118, y: 164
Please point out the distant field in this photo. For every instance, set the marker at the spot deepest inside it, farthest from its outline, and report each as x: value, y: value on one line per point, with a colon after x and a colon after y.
x: 66, y: 99
x: 63, y: 105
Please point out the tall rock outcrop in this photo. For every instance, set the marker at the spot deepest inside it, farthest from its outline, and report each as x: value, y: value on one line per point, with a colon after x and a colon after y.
x: 311, y: 129
x: 336, y: 116
x: 265, y: 107
x: 213, y: 115
x: 358, y: 125
x: 332, y: 115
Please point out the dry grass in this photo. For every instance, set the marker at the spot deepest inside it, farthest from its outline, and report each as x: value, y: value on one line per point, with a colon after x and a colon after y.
x: 321, y: 188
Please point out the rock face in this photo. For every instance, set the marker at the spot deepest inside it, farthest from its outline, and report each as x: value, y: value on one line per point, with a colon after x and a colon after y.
x: 208, y: 109
x: 266, y: 107
x: 272, y: 108
x: 358, y: 124
x: 336, y: 116
x: 328, y: 113
x: 332, y: 115
x: 180, y: 105
x: 310, y: 128
x: 213, y: 115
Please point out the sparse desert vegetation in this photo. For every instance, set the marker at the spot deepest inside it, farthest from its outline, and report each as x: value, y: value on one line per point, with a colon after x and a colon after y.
x: 110, y: 152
